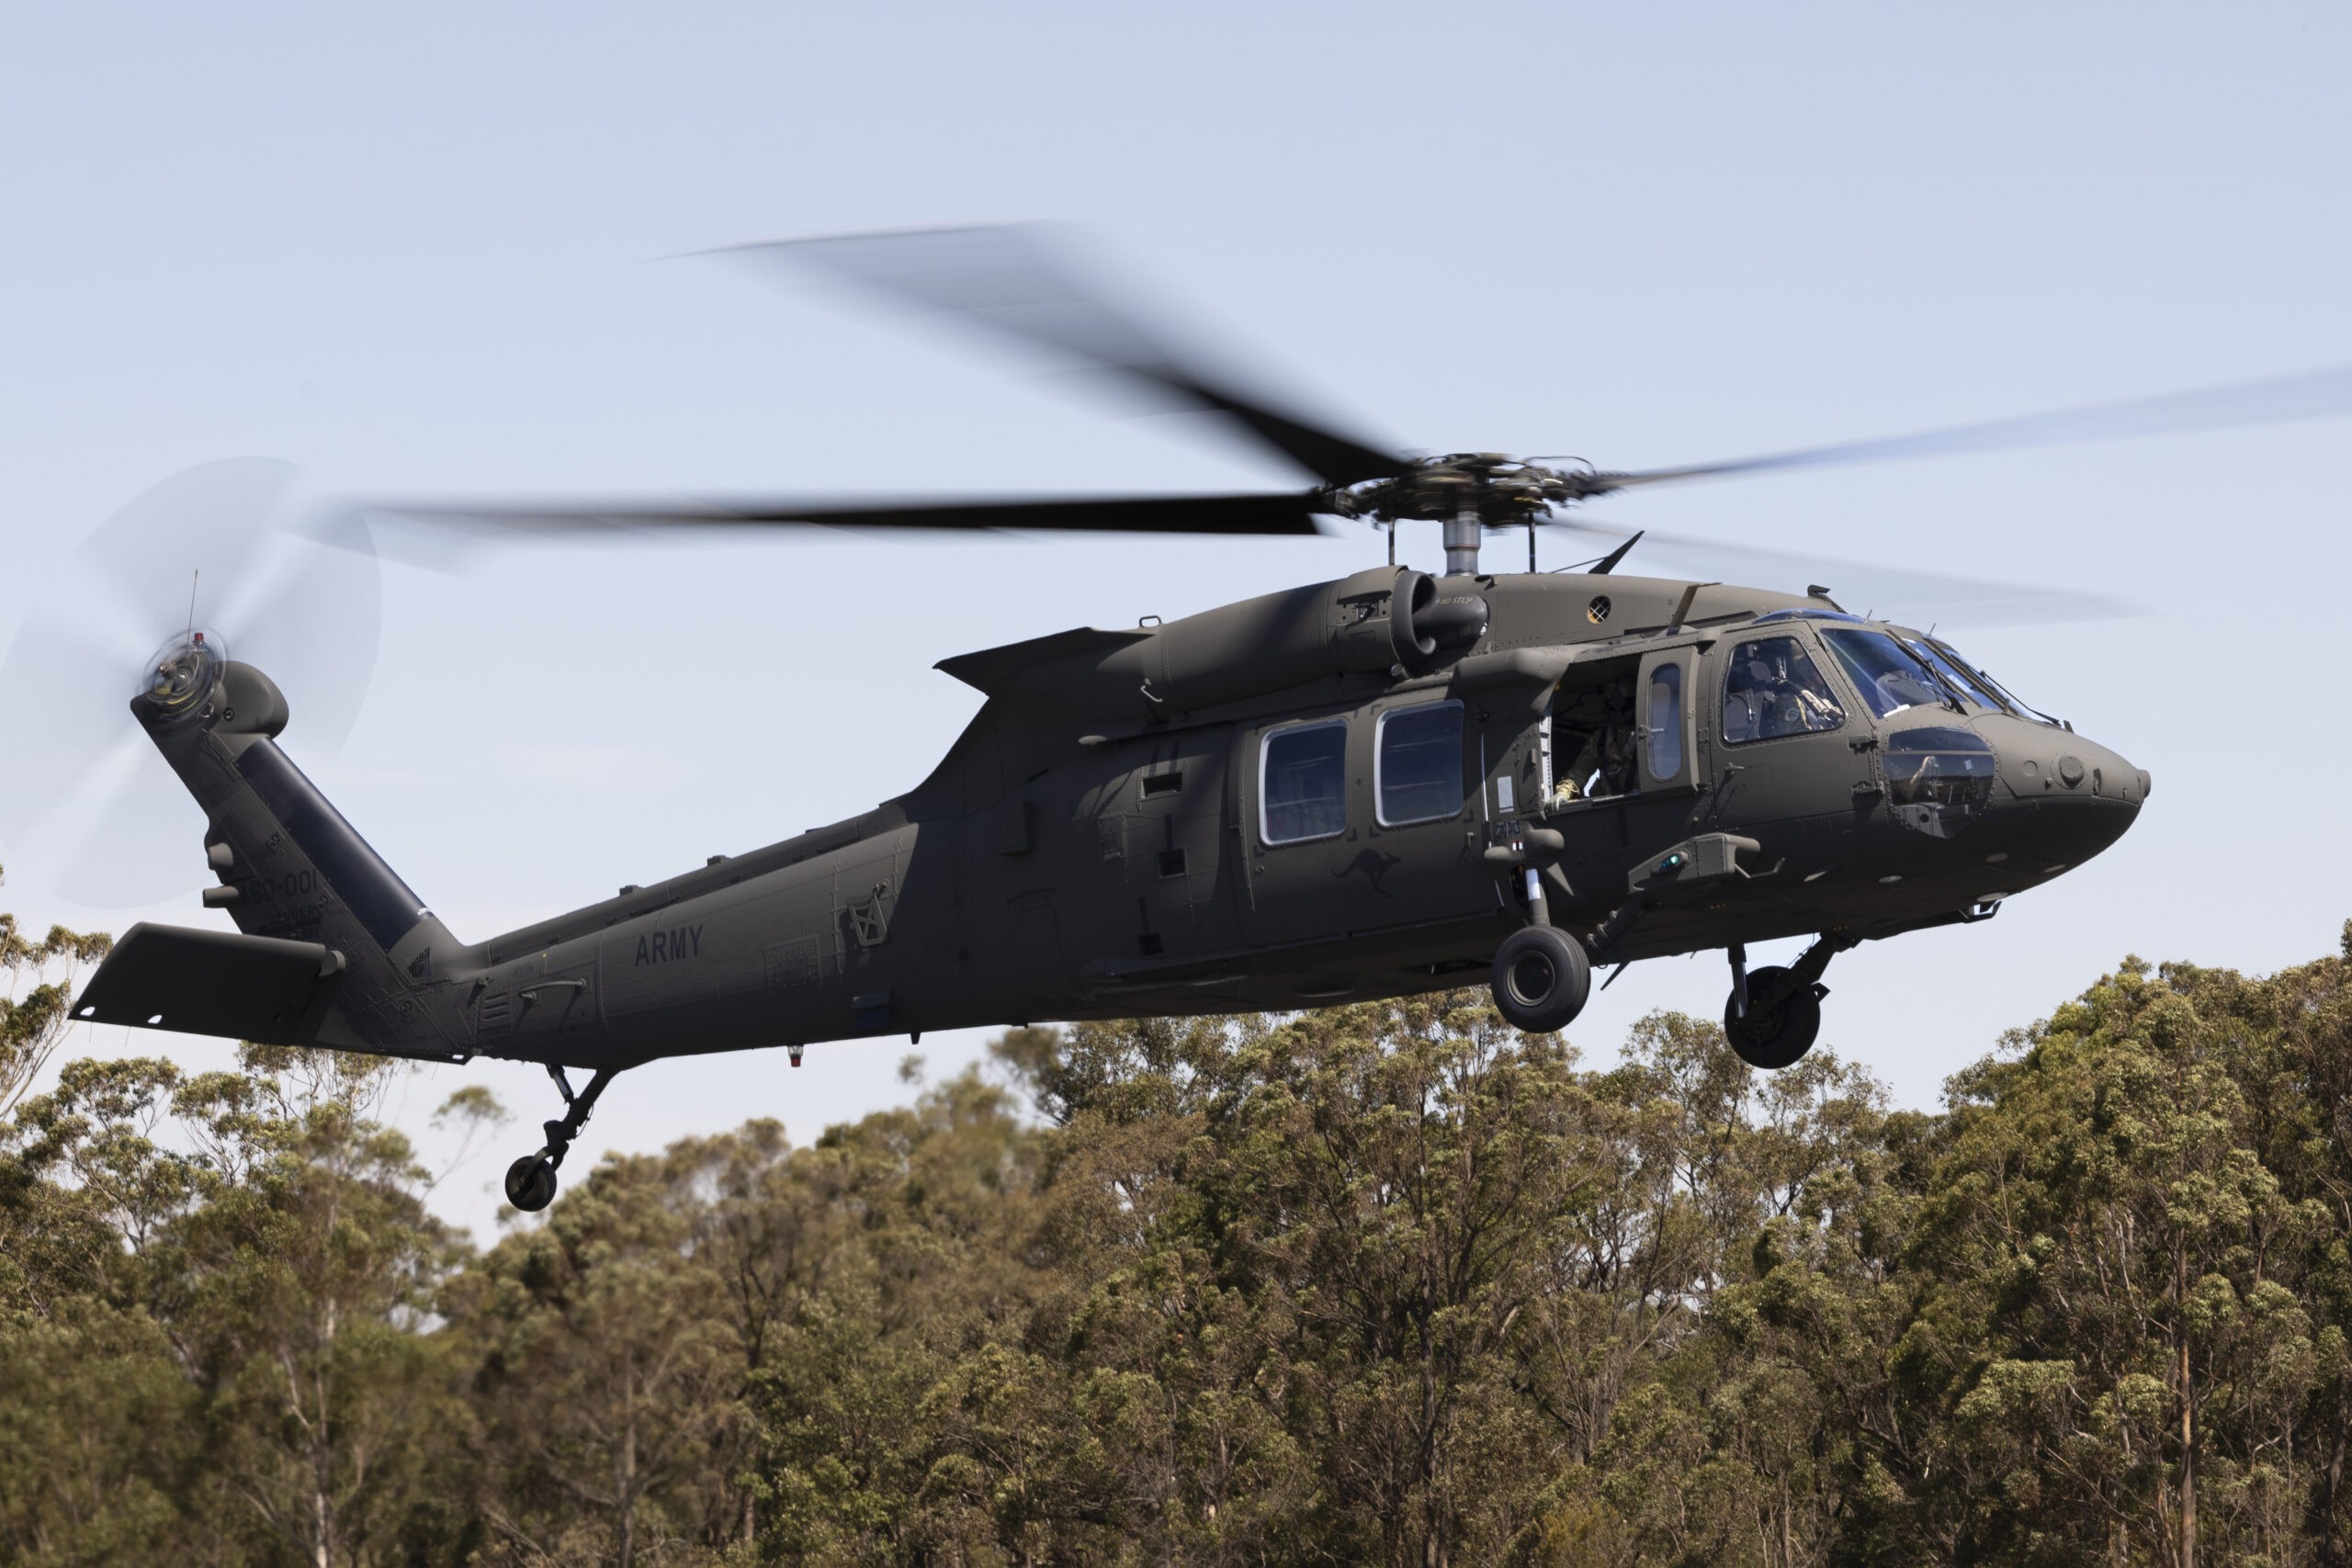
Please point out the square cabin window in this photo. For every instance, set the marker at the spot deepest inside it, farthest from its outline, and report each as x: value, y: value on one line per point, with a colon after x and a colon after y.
x: 1417, y: 767
x: 1302, y: 782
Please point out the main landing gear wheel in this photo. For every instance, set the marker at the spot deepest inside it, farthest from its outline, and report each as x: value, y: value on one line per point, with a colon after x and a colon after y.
x: 1540, y: 979
x: 530, y: 1183
x: 1775, y: 1036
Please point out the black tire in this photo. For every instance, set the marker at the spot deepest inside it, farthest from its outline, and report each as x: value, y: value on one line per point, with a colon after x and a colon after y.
x: 1540, y: 979
x: 530, y: 1183
x: 1777, y: 1037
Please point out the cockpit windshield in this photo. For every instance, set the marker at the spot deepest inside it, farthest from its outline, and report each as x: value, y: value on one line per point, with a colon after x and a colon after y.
x: 1889, y: 675
x: 1965, y: 683
x: 1999, y: 693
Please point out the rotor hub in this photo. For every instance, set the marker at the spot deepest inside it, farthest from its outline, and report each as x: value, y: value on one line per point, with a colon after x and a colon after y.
x: 1497, y: 489
x: 1468, y: 492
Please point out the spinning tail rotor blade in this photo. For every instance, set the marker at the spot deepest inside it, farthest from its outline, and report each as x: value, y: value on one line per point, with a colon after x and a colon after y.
x: 1914, y: 597
x: 1026, y: 282
x: 313, y: 624
x: 86, y: 804
x: 2318, y: 394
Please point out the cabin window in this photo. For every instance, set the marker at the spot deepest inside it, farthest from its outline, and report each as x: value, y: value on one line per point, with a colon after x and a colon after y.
x: 1773, y: 689
x: 1890, y: 676
x: 1665, y: 721
x: 1302, y: 782
x: 1417, y: 767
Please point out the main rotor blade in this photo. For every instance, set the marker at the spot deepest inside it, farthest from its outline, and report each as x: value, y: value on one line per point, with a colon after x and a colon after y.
x: 1022, y: 281
x: 2318, y: 394
x: 459, y: 522
x: 1906, y: 594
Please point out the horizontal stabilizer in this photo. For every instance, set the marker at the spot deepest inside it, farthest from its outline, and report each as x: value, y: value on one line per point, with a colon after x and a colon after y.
x: 261, y: 988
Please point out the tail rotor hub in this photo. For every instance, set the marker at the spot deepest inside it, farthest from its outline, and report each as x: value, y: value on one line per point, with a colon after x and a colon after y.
x: 183, y: 672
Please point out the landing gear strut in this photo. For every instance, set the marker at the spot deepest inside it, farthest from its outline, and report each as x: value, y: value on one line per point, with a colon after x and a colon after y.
x: 530, y: 1181
x: 1774, y: 1014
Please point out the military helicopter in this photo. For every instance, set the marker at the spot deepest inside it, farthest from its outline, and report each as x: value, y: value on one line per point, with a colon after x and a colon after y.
x: 1389, y: 783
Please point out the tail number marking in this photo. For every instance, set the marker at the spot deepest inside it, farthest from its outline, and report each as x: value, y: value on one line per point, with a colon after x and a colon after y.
x: 672, y: 946
x: 293, y: 885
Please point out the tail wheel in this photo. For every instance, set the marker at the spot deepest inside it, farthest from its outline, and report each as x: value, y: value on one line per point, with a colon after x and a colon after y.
x: 1540, y: 979
x: 530, y: 1183
x: 1777, y: 1036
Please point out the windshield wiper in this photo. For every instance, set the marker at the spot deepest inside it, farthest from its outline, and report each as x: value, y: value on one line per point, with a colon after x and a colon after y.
x: 1943, y: 683
x: 1992, y: 684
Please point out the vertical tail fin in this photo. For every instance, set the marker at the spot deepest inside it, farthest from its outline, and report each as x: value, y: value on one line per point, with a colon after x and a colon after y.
x: 291, y: 868
x: 348, y: 866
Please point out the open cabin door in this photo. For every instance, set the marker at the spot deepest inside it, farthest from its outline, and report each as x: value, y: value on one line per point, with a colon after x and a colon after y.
x: 1593, y: 732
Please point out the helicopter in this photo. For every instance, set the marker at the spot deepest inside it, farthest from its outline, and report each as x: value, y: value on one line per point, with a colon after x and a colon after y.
x: 1393, y: 783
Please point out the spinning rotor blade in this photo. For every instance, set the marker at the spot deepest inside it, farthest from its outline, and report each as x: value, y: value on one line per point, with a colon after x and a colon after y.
x: 1021, y: 280
x: 1917, y: 598
x: 457, y: 523
x: 86, y: 804
x: 2318, y: 394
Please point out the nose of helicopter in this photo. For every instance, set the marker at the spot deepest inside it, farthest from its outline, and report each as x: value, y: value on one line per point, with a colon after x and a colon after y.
x: 2064, y: 798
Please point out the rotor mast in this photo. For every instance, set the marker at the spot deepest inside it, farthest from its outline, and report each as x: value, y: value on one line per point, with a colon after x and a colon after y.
x: 1462, y: 538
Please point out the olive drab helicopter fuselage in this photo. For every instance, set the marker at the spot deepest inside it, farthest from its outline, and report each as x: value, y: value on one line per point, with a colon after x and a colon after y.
x: 1353, y: 790
x: 1391, y: 783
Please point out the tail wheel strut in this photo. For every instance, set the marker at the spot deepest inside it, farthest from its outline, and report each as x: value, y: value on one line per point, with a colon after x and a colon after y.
x: 530, y: 1181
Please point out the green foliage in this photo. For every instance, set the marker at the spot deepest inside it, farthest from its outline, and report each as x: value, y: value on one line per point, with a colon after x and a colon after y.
x: 1387, y: 1283
x: 36, y: 983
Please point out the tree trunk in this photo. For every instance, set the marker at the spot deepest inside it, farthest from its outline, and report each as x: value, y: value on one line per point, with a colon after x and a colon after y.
x: 2188, y: 1458
x: 2327, y: 1554
x: 626, y: 1489
x: 625, y: 1484
x: 322, y: 1450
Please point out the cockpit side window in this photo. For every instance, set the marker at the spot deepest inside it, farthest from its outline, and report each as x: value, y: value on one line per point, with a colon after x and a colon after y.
x: 1773, y: 689
x: 1890, y: 677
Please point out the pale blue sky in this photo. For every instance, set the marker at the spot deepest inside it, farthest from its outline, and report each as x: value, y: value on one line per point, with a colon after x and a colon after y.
x: 418, y: 247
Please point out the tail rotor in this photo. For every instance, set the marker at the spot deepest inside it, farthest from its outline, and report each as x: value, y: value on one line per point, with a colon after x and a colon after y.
x: 189, y: 573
